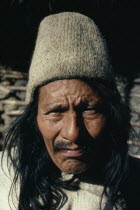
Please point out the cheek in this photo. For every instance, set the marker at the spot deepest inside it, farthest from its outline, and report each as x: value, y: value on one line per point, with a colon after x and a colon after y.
x: 48, y: 135
x: 48, y: 128
x: 49, y: 131
x: 96, y: 127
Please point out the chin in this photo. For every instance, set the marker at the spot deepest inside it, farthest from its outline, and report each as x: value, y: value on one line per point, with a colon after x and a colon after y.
x: 74, y: 167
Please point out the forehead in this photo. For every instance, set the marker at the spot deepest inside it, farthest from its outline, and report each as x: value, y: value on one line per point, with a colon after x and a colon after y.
x: 72, y: 88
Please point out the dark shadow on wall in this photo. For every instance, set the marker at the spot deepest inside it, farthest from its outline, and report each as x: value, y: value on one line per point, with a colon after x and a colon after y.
x: 118, y: 21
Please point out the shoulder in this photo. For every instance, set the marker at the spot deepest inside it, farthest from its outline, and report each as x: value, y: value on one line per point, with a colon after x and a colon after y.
x: 133, y: 188
x: 134, y: 164
x: 5, y: 183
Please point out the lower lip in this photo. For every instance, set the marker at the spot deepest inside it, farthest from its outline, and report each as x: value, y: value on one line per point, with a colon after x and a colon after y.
x: 72, y: 153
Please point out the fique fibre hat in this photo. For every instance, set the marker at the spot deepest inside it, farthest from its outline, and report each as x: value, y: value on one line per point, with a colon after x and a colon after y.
x: 69, y: 45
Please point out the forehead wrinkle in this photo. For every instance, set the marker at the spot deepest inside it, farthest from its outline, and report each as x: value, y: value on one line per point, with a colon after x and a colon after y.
x: 65, y: 93
x: 78, y: 99
x: 66, y: 86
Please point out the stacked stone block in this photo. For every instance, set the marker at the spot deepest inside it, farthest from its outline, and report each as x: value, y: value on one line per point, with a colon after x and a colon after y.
x: 12, y: 98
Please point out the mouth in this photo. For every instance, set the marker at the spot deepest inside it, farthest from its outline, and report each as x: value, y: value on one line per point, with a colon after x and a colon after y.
x: 73, y: 152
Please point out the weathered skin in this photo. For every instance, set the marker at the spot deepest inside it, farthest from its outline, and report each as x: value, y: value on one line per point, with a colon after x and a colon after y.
x: 70, y: 115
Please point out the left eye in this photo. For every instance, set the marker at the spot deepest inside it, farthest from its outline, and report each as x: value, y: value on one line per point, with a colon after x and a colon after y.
x: 56, y: 113
x: 89, y: 111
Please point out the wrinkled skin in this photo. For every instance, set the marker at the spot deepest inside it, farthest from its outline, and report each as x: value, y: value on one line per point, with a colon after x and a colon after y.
x: 71, y: 121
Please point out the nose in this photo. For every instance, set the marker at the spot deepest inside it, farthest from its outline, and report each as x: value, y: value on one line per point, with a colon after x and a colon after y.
x: 71, y: 127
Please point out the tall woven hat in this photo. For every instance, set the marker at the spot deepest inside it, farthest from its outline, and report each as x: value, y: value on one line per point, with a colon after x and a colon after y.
x: 68, y: 45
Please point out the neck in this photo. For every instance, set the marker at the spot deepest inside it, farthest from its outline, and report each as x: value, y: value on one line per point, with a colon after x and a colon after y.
x: 92, y: 175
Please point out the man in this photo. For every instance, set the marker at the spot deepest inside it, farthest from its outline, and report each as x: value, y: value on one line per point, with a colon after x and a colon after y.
x: 69, y: 148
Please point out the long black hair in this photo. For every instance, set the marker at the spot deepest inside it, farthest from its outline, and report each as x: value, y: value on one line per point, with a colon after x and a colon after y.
x: 35, y: 170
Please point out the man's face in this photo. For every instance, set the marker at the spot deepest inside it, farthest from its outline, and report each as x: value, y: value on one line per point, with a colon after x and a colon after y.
x: 71, y: 121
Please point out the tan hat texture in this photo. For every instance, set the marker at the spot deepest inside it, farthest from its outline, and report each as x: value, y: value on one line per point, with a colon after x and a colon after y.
x: 68, y: 45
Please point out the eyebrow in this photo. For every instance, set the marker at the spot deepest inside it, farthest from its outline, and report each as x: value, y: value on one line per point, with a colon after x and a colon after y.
x: 60, y: 107
x: 97, y: 104
x: 52, y: 107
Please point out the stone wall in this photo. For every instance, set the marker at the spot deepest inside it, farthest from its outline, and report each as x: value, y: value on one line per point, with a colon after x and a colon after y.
x: 12, y: 98
x: 130, y: 92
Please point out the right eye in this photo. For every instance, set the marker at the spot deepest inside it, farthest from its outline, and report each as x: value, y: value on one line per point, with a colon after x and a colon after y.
x: 56, y: 111
x: 54, y: 116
